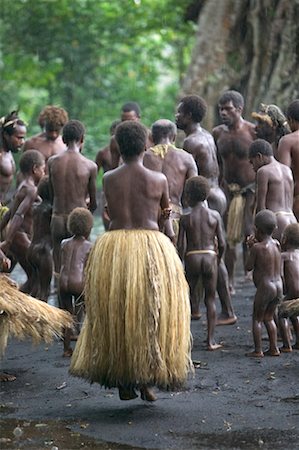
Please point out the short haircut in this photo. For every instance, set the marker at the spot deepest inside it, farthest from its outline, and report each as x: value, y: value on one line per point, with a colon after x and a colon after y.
x: 43, y: 188
x: 29, y: 159
x: 235, y: 97
x: 114, y: 125
x: 194, y: 105
x: 9, y: 123
x: 131, y: 106
x: 131, y: 137
x: 197, y: 189
x: 80, y: 222
x: 163, y: 129
x: 260, y: 146
x: 53, y: 116
x: 291, y: 234
x: 73, y: 131
x: 293, y: 110
x: 265, y: 221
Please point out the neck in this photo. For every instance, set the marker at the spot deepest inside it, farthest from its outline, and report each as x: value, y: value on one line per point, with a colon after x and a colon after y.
x: 191, y: 128
x: 164, y: 141
x: 74, y: 146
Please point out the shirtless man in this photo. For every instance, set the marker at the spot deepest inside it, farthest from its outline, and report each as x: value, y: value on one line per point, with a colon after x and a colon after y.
x: 274, y: 185
x: 19, y: 216
x: 49, y: 142
x: 200, y: 143
x: 12, y: 136
x: 72, y: 179
x: 176, y: 164
x: 288, y: 150
x: 233, y: 139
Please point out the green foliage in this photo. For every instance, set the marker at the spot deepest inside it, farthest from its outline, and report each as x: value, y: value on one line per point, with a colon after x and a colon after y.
x: 91, y: 56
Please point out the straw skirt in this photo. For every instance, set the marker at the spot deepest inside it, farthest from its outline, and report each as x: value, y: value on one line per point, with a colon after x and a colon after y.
x: 137, y: 325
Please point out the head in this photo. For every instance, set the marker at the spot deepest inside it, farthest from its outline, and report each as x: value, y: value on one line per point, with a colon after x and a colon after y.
x: 80, y: 222
x: 73, y: 131
x: 131, y: 137
x: 271, y: 123
x: 191, y: 109
x: 197, y: 190
x: 260, y: 153
x: 130, y: 111
x: 113, y: 126
x: 293, y: 115
x: 32, y: 164
x: 290, y: 237
x: 230, y: 106
x: 163, y: 130
x: 52, y: 119
x: 43, y: 188
x: 12, y: 132
x: 265, y: 223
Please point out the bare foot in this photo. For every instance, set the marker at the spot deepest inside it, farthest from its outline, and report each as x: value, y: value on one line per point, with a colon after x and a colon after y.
x: 127, y: 393
x: 7, y: 377
x: 232, y: 289
x: 147, y: 394
x: 248, y: 276
x: 67, y: 353
x: 213, y: 347
x: 274, y: 352
x: 195, y: 316
x: 285, y: 349
x: 226, y: 320
x: 255, y: 354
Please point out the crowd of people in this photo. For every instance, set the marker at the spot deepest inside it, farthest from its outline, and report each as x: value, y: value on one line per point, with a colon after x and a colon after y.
x: 173, y: 218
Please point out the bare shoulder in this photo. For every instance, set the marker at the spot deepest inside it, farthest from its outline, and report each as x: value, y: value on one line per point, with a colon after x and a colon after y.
x: 218, y: 131
x: 276, y: 243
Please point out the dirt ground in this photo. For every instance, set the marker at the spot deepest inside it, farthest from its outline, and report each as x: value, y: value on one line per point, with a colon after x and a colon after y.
x: 232, y: 402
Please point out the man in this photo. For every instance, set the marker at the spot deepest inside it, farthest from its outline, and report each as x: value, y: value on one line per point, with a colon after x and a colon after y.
x: 72, y: 179
x: 176, y: 164
x: 274, y: 185
x: 200, y: 143
x: 12, y: 136
x: 49, y: 142
x: 136, y: 331
x: 233, y: 139
x: 288, y: 150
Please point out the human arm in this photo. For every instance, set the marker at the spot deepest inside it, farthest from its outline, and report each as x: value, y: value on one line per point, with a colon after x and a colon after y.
x: 92, y: 188
x: 220, y: 237
x: 250, y: 261
x: 284, y: 152
x: 261, y: 189
x: 181, y: 244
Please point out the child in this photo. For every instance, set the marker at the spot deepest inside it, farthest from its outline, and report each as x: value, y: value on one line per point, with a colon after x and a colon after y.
x: 290, y: 267
x: 19, y: 216
x: 264, y: 259
x: 74, y: 253
x: 200, y: 227
x: 39, y: 252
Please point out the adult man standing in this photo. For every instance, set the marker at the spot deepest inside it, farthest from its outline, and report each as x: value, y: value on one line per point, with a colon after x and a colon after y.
x: 288, y: 150
x: 176, y: 164
x: 72, y: 179
x: 233, y: 139
x: 200, y: 143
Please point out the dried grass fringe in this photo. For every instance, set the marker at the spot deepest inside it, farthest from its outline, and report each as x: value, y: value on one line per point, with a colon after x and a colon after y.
x: 289, y: 308
x: 23, y: 316
x: 137, y: 324
x: 235, y: 216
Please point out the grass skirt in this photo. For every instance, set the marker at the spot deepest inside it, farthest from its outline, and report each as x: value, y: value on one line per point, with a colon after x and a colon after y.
x: 137, y: 325
x: 289, y: 308
x: 23, y: 316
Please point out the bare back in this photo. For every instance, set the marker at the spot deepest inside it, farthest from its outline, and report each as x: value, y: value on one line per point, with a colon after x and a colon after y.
x: 265, y: 259
x: 288, y: 153
x: 74, y: 254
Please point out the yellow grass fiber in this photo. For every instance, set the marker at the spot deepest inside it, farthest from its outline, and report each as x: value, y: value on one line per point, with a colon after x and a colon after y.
x: 235, y: 218
x: 289, y: 308
x: 23, y: 316
x: 137, y: 325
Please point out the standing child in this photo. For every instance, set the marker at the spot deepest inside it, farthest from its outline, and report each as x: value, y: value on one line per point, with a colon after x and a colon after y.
x: 39, y: 252
x: 74, y: 254
x: 200, y: 227
x: 265, y: 260
x: 290, y: 266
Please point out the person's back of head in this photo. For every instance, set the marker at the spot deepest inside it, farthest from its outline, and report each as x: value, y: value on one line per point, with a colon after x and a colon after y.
x: 29, y: 160
x: 131, y: 138
x: 265, y: 222
x: 291, y: 235
x: 80, y: 222
x: 43, y: 188
x: 197, y: 190
x: 260, y: 146
x: 194, y: 105
x: 235, y: 97
x: 73, y: 131
x: 163, y: 129
x: 293, y: 110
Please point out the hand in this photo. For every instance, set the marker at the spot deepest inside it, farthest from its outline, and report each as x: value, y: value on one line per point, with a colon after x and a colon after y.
x: 251, y: 240
x: 5, y: 262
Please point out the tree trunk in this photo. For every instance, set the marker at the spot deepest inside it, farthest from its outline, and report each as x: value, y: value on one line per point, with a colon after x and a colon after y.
x: 248, y: 45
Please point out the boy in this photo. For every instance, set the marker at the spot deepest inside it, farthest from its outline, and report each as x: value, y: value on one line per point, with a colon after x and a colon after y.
x: 39, y: 252
x: 290, y: 266
x: 265, y: 259
x: 19, y: 216
x: 200, y: 227
x: 74, y: 253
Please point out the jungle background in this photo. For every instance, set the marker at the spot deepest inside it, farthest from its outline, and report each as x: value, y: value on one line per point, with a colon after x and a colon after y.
x: 91, y: 56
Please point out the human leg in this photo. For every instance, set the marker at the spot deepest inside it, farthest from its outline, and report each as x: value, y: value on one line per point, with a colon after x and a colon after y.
x: 227, y: 315
x: 66, y: 302
x: 271, y: 327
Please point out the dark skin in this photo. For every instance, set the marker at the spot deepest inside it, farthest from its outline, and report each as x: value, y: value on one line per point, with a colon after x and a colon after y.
x: 72, y: 179
x: 200, y: 143
x: 200, y: 228
x: 19, y: 216
x: 274, y: 190
x: 74, y: 254
x: 264, y: 259
x: 233, y: 139
x: 48, y: 142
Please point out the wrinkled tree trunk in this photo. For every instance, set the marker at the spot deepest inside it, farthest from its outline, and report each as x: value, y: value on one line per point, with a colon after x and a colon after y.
x: 248, y: 45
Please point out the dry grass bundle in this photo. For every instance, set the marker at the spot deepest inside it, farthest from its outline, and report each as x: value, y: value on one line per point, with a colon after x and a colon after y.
x: 289, y: 308
x: 137, y: 325
x: 235, y: 216
x: 24, y: 316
